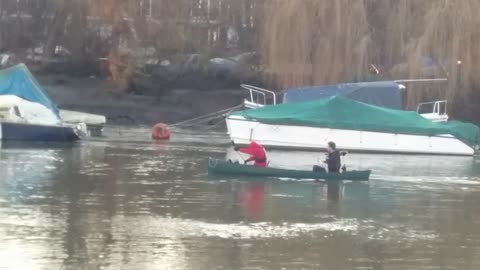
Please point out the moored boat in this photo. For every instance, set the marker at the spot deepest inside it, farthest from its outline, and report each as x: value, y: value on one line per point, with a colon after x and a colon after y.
x: 388, y: 94
x: 220, y: 167
x: 353, y: 125
x: 26, y: 112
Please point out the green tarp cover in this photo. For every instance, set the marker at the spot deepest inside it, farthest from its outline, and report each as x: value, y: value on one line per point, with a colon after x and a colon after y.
x: 343, y: 113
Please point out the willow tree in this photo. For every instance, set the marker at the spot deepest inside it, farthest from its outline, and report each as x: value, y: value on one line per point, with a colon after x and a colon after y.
x: 18, y: 31
x: 124, y: 19
x: 451, y: 34
x: 308, y: 42
x: 312, y: 42
x: 169, y: 30
x: 446, y: 32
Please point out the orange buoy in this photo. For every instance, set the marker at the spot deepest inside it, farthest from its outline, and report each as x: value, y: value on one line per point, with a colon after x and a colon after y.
x: 160, y: 131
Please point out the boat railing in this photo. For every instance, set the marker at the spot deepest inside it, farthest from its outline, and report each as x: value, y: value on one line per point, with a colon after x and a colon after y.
x: 420, y: 80
x: 258, y: 97
x: 435, y: 111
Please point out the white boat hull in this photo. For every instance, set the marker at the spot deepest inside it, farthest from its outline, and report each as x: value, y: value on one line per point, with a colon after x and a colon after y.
x: 243, y: 131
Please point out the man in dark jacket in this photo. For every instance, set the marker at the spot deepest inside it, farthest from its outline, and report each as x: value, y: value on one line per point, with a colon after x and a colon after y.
x: 333, y: 160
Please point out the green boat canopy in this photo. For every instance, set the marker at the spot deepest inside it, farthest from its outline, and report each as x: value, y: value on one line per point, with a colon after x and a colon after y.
x: 342, y: 113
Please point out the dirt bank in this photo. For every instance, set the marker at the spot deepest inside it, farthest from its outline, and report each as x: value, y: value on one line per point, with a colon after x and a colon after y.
x: 100, y: 97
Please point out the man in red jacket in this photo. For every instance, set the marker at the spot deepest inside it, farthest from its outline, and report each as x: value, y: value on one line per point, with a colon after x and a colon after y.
x: 257, y: 154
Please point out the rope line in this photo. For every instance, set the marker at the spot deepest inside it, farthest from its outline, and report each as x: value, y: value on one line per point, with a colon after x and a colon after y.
x: 206, y: 117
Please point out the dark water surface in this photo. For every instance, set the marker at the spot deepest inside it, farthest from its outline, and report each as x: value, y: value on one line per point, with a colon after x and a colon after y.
x: 124, y: 202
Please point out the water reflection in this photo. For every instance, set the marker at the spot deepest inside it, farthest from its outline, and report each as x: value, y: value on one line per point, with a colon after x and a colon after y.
x: 139, y: 205
x: 333, y: 197
x: 251, y: 200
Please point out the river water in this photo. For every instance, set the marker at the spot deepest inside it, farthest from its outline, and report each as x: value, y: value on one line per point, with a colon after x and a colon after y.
x: 124, y: 202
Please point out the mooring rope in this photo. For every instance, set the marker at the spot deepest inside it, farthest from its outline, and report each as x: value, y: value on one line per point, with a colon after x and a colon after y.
x: 206, y: 117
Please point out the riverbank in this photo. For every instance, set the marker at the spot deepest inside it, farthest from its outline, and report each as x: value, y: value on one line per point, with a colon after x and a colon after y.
x: 99, y: 96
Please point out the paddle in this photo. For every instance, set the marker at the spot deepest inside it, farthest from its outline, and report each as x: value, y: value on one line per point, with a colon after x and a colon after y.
x: 236, y: 148
x: 342, y: 159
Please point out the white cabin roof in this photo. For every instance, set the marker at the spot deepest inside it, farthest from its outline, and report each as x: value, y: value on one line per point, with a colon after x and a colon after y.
x: 30, y: 112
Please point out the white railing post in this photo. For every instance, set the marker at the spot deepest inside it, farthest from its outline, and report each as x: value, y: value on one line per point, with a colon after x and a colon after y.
x: 259, y: 92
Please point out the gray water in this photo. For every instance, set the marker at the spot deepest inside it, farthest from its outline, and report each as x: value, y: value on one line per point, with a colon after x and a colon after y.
x: 124, y: 202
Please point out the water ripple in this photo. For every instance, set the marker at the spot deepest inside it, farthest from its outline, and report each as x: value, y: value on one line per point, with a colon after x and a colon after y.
x: 193, y: 228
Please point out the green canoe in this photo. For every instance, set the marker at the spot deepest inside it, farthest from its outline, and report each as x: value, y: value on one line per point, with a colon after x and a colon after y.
x: 220, y: 167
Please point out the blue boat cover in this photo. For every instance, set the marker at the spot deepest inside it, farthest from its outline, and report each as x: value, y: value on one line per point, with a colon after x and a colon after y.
x: 385, y: 94
x: 19, y: 81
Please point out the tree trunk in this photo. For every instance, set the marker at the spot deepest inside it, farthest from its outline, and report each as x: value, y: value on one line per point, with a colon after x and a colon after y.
x: 57, y: 27
x: 1, y: 26
x: 77, y: 37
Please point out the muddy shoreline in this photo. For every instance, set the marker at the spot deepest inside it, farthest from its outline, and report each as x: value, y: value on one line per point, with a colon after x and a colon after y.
x: 100, y: 96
